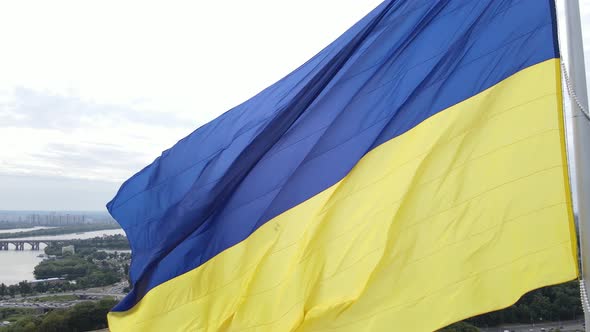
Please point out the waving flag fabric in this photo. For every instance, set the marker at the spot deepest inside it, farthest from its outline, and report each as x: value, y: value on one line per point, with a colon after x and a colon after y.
x: 410, y: 175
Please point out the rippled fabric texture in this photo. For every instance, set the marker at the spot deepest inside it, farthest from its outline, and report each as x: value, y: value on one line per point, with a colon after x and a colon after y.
x: 410, y: 175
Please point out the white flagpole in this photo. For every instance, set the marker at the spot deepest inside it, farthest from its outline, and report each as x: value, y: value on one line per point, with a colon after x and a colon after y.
x: 581, y: 139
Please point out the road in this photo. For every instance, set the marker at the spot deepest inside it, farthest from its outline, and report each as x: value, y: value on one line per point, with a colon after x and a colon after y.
x: 575, y: 325
x: 117, y: 296
x: 29, y: 301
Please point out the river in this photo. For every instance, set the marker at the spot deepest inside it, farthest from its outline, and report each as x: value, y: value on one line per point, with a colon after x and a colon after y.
x: 16, y: 266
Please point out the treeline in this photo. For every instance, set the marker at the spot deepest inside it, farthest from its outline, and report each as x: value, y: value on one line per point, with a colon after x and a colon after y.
x: 111, y: 242
x: 84, y: 272
x: 87, y: 269
x: 14, y: 314
x: 549, y: 304
x: 79, y: 273
x: 4, y: 226
x: 554, y: 303
x: 25, y: 288
x: 460, y: 327
x: 61, y: 230
x: 85, y: 316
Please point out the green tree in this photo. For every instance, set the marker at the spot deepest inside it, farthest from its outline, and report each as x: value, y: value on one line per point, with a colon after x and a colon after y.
x: 554, y: 303
x: 12, y: 290
x: 3, y: 290
x: 25, y: 324
x: 100, y: 255
x: 460, y: 327
x: 69, y: 267
x: 24, y: 288
x: 55, y: 321
x: 85, y: 316
x: 41, y: 287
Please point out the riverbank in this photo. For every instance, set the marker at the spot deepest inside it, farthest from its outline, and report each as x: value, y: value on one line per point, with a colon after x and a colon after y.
x: 60, y: 230
x: 22, y: 263
x: 77, y: 289
x: 67, y: 272
x: 22, y: 229
x: 15, y: 226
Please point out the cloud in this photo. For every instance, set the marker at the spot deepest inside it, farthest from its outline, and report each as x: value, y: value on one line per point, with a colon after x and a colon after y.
x: 106, y: 161
x: 29, y: 108
x: 33, y: 192
x: 77, y: 162
x: 67, y: 136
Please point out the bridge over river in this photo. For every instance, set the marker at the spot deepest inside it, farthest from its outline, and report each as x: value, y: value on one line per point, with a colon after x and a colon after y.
x: 19, y: 244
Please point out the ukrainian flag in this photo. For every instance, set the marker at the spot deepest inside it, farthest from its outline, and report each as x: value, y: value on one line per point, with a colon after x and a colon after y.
x: 410, y: 175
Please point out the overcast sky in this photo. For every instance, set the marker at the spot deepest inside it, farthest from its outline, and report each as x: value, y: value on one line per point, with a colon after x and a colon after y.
x: 90, y: 92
